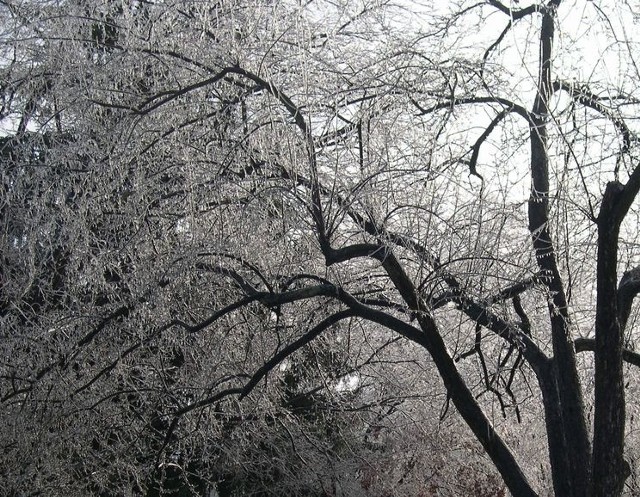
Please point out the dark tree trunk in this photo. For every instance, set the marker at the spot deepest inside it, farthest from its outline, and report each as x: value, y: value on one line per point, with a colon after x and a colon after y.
x: 564, y: 407
x: 609, y: 416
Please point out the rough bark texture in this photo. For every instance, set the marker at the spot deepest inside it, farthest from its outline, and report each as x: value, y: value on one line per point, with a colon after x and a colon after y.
x: 609, y: 414
x: 560, y: 466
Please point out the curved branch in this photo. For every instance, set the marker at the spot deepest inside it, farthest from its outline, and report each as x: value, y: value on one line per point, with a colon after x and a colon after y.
x: 242, y: 283
x: 294, y: 111
x: 169, y: 95
x: 243, y: 262
x: 507, y: 105
x: 495, y: 44
x: 293, y: 347
x: 274, y: 361
x: 242, y: 392
x: 582, y: 94
x: 475, y: 150
x: 283, y: 98
x: 296, y: 114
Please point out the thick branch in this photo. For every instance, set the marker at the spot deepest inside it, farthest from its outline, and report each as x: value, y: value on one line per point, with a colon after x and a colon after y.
x: 624, y: 197
x: 516, y: 14
x: 456, y: 386
x: 473, y: 308
x: 628, y: 289
x: 515, y: 289
x: 509, y: 332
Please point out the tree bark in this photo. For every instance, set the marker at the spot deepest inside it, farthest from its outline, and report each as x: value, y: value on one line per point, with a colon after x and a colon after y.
x: 566, y: 423
x: 609, y: 413
x: 558, y: 457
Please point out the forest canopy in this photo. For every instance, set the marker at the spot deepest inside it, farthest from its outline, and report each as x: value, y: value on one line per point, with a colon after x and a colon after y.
x: 325, y: 248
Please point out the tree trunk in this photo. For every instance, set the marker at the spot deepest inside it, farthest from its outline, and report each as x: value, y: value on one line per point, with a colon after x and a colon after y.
x: 609, y: 415
x: 568, y: 418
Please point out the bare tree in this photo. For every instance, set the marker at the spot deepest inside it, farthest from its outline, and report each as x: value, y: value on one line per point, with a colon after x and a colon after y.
x: 250, y: 231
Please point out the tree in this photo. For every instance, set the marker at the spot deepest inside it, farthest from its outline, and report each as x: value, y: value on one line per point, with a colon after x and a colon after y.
x: 228, y: 222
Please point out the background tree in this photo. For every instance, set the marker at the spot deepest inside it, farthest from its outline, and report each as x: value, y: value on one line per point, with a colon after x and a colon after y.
x: 241, y: 240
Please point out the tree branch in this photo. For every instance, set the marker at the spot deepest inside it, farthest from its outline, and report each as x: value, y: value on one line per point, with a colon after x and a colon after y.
x: 515, y: 14
x: 582, y: 95
x: 506, y: 104
x: 475, y: 150
x: 628, y: 289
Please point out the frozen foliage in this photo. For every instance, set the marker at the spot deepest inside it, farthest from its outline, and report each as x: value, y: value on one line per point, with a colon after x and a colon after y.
x: 334, y: 248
